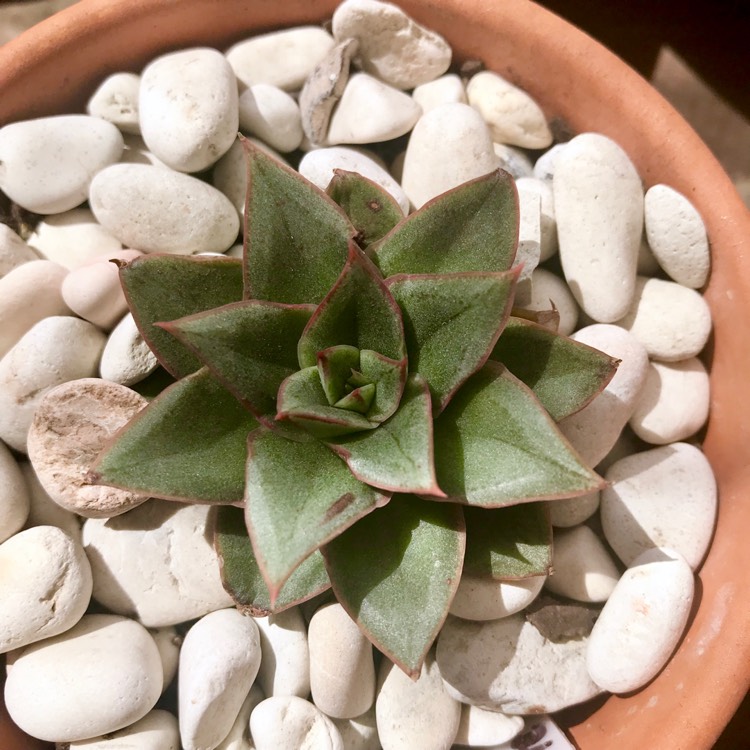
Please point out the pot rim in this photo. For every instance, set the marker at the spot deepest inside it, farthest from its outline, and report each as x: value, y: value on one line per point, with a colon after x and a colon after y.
x: 586, y: 87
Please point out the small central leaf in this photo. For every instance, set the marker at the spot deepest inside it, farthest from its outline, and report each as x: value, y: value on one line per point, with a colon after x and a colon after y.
x: 359, y: 400
x: 335, y: 366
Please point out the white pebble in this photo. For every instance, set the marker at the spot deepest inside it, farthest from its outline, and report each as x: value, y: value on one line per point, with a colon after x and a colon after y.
x: 415, y: 714
x: 219, y: 660
x: 14, y: 495
x: 287, y: 722
x: 670, y: 320
x: 573, y: 510
x: 583, y: 569
x: 188, y: 108
x: 513, y: 160
x: 54, y: 351
x: 508, y: 665
x: 168, y: 641
x: 157, y: 730
x: 269, y: 113
x: 529, y: 233
x: 548, y: 290
x: 599, y: 211
x: 318, y: 165
x: 594, y: 430
x: 102, y: 675
x: 44, y: 511
x: 157, y: 210
x: 282, y: 58
x: 647, y: 263
x: 156, y: 563
x: 46, y: 165
x: 641, y: 622
x: 482, y: 728
x: 449, y: 145
x: 342, y: 671
x: 72, y: 424
x: 285, y: 666
x: 136, y: 152
x: 677, y: 236
x: 664, y: 497
x: 484, y: 599
x: 674, y: 402
x: 360, y: 733
x: 45, y: 588
x: 448, y: 89
x: 116, y: 100
x: 391, y: 113
x: 392, y: 46
x: 13, y: 250
x: 547, y: 208
x: 93, y: 291
x: 544, y: 166
x: 239, y: 735
x: 513, y: 116
x: 127, y: 358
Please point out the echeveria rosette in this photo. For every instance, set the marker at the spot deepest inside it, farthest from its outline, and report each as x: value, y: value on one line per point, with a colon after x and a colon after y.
x: 358, y: 401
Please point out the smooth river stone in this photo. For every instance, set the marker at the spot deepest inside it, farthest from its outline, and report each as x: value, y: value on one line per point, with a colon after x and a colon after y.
x: 392, y: 46
x: 391, y: 113
x: 664, y: 497
x: 674, y: 402
x: 508, y: 665
x: 188, y: 108
x: 157, y: 210
x: 14, y: 251
x: 342, y: 671
x: 583, y: 569
x: 116, y: 100
x: 642, y: 622
x: 513, y: 117
x: 282, y: 58
x: 449, y: 145
x: 672, y: 321
x: 272, y: 115
x: 677, y: 236
x: 100, y: 676
x: 448, y: 89
x: 157, y: 730
x: 72, y: 424
x: 127, y: 358
x: 14, y: 495
x: 46, y: 165
x: 599, y: 211
x: 239, y: 735
x: 415, y: 713
x: 360, y: 733
x: 155, y: 563
x: 54, y: 351
x: 285, y: 663
x: 219, y: 660
x: 573, y: 510
x: 483, y: 599
x: 482, y: 728
x: 594, y: 430
x: 28, y: 294
x: 286, y: 722
x: 45, y: 586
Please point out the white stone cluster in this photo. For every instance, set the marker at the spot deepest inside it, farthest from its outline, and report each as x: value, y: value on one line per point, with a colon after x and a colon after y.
x: 155, y: 167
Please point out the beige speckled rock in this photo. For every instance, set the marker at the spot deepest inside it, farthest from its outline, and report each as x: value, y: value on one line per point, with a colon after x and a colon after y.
x: 481, y: 599
x: 54, y: 351
x: 127, y: 358
x: 14, y: 495
x: 677, y: 236
x: 102, y: 675
x: 157, y: 730
x: 282, y: 58
x: 45, y: 587
x: 415, y: 714
x: 13, y: 250
x: 513, y: 116
x: 116, y: 100
x: 392, y: 46
x: 71, y: 425
x: 287, y: 722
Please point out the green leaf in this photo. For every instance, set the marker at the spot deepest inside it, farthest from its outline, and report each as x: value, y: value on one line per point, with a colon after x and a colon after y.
x: 299, y: 496
x: 296, y: 237
x: 241, y: 576
x: 160, y: 288
x: 451, y: 323
x: 359, y: 400
x: 372, y: 210
x: 473, y: 227
x: 188, y: 444
x: 389, y: 377
x: 335, y: 366
x: 396, y: 572
x: 359, y: 311
x: 564, y: 374
x: 506, y: 543
x: 495, y: 445
x: 303, y: 401
x: 397, y: 456
x: 250, y: 346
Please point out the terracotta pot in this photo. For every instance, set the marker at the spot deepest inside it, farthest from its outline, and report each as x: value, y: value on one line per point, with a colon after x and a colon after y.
x: 54, y: 67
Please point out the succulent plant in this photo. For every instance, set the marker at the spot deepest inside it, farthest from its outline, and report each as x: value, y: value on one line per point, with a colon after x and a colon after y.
x: 360, y: 399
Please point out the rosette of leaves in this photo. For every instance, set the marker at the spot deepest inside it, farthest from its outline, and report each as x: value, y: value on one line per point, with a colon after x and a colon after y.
x: 360, y: 399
